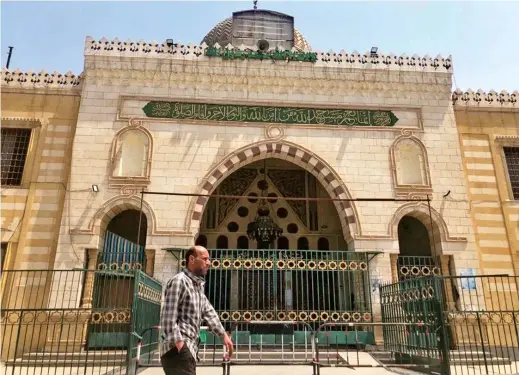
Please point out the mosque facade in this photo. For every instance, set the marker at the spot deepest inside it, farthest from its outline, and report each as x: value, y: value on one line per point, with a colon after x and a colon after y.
x: 312, y: 177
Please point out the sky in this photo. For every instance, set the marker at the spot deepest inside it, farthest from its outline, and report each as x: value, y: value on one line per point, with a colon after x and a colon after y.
x: 482, y: 37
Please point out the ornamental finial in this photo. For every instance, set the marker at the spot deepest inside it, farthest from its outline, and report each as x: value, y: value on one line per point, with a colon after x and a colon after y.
x: 255, y: 2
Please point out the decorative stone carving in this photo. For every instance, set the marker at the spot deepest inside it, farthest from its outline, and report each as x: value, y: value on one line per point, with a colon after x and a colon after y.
x: 32, y: 79
x: 131, y: 158
x: 410, y: 167
x: 236, y: 184
x: 275, y: 132
x: 481, y: 98
x: 192, y: 51
x: 291, y: 184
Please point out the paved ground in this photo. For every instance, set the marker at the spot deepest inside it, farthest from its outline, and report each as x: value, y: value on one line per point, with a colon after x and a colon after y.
x: 277, y: 370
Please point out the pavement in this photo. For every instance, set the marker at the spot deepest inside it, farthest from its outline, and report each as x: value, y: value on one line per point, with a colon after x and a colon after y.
x: 278, y: 370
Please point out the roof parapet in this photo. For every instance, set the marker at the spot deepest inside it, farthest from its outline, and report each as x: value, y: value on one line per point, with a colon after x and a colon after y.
x: 480, y: 98
x: 43, y: 79
x: 341, y: 59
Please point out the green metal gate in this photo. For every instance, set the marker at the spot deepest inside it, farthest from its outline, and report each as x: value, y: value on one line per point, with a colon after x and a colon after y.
x: 306, y: 286
x: 113, y: 292
x: 416, y: 301
x: 46, y: 316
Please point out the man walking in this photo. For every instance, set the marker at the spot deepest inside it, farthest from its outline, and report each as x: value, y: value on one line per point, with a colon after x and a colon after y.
x: 185, y: 307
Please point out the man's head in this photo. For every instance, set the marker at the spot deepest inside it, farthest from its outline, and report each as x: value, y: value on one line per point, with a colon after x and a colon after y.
x: 197, y: 260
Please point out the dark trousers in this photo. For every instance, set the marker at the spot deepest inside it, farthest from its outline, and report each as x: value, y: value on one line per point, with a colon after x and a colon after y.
x: 175, y: 363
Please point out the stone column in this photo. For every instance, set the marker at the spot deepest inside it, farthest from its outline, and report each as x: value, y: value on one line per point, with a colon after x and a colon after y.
x: 86, y: 302
x: 394, y: 267
x: 150, y: 261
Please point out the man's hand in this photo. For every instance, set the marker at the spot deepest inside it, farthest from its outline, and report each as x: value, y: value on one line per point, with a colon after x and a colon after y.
x: 179, y: 345
x: 228, y: 344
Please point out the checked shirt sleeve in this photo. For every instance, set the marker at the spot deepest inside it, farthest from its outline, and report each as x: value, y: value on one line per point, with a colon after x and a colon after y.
x: 169, y: 316
x: 211, y: 317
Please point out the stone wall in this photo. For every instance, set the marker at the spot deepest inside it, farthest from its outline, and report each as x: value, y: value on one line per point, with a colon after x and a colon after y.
x: 31, y: 212
x: 486, y: 125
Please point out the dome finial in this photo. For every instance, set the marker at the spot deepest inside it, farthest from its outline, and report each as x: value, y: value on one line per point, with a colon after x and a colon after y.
x: 255, y: 2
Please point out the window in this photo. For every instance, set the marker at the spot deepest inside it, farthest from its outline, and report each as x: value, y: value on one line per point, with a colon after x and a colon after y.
x: 512, y: 164
x: 15, y: 145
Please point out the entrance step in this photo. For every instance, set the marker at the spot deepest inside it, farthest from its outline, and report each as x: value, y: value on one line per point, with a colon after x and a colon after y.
x: 111, y: 358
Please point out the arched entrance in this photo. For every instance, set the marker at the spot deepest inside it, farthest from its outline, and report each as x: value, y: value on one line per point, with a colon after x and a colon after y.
x: 305, y: 273
x: 417, y: 256
x: 122, y: 251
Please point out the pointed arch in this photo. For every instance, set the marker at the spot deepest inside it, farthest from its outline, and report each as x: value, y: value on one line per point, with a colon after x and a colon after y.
x: 436, y: 228
x: 288, y: 151
x: 115, y: 206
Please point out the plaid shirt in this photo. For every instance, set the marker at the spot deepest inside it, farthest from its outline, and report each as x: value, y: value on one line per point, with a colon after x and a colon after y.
x: 185, y: 306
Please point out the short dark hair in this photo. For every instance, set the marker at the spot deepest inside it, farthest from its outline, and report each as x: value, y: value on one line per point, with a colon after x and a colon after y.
x: 191, y: 251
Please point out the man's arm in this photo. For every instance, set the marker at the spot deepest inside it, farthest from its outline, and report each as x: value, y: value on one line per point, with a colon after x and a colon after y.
x: 211, y: 317
x: 169, y: 316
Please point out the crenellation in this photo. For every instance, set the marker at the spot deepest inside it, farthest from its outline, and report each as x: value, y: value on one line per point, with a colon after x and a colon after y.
x: 480, y: 98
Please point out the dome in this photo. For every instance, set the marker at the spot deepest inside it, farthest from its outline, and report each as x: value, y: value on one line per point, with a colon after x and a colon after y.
x: 222, y: 34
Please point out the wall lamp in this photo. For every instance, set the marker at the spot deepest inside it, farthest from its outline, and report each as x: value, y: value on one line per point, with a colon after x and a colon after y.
x: 374, y: 51
x: 95, y: 188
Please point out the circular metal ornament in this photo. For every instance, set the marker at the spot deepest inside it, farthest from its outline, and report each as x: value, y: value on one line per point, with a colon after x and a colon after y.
x: 224, y: 315
x: 236, y: 315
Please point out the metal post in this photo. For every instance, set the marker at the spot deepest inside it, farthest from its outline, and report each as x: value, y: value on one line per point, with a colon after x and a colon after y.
x: 432, y: 225
x: 9, y: 54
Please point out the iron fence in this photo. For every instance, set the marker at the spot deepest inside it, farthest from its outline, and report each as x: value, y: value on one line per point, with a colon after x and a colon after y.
x: 74, y: 321
x: 471, y: 323
x: 306, y: 286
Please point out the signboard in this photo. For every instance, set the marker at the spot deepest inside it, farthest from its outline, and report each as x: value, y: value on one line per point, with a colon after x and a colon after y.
x: 269, y: 114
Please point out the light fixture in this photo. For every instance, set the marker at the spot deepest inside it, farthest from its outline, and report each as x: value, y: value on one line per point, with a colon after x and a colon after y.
x: 169, y: 42
x: 374, y: 51
x: 95, y: 188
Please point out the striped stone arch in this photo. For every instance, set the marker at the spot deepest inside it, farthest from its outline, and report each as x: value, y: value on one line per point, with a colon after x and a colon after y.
x: 288, y: 151
x: 437, y: 228
x: 115, y: 206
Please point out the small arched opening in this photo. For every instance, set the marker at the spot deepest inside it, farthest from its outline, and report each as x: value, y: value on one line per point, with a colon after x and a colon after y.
x: 122, y: 252
x: 417, y: 255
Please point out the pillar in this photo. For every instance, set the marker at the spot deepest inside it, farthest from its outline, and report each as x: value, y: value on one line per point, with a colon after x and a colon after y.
x: 86, y: 302
x: 150, y: 261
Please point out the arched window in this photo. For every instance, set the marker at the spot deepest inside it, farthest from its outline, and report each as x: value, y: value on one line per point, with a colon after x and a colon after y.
x: 323, y: 244
x: 410, y: 166
x: 131, y: 155
x: 243, y: 242
x: 283, y: 243
x: 302, y: 243
x: 222, y: 242
x: 201, y: 241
